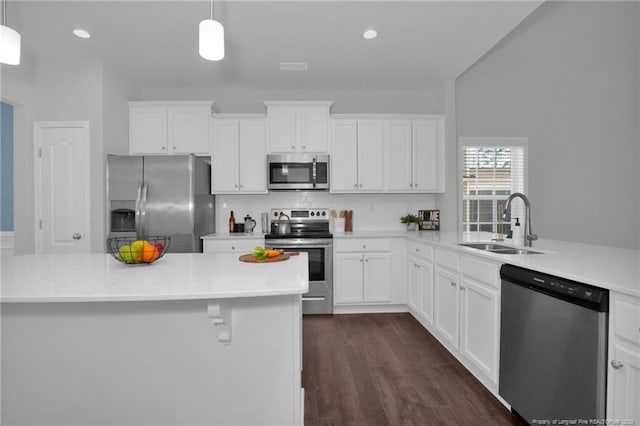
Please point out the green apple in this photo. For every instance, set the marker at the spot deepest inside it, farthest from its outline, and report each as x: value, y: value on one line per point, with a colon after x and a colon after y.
x: 126, y: 254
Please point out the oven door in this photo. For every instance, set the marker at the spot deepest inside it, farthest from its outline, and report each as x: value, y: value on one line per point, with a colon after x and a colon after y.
x: 319, y: 298
x: 298, y: 172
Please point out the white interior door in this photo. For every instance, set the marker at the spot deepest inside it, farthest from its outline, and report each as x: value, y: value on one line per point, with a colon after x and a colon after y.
x: 61, y: 187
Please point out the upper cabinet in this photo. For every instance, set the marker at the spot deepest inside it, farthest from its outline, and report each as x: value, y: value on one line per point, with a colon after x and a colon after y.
x: 169, y: 127
x: 384, y: 153
x: 238, y: 155
x: 414, y: 153
x: 298, y: 127
x: 357, y: 157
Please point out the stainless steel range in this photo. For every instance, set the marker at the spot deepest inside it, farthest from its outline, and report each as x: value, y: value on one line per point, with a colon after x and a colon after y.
x: 307, y: 230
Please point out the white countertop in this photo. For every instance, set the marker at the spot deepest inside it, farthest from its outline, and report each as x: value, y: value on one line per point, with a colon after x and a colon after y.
x: 612, y: 268
x: 100, y: 278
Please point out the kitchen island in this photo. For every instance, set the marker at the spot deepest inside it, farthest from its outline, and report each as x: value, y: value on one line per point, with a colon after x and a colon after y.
x: 191, y: 339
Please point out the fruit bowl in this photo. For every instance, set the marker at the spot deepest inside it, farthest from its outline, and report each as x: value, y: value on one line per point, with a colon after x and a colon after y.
x: 134, y: 251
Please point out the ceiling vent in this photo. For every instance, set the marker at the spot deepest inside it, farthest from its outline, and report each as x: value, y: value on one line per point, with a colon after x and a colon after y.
x: 293, y: 66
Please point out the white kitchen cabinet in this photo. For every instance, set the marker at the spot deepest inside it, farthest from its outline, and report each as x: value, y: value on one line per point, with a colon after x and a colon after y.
x: 362, y: 271
x: 238, y: 156
x: 298, y: 127
x: 420, y: 273
x: 480, y: 326
x: 447, y: 305
x: 421, y: 288
x: 169, y: 127
x: 467, y: 311
x: 623, y: 390
x: 414, y: 154
x: 357, y: 155
x: 239, y: 245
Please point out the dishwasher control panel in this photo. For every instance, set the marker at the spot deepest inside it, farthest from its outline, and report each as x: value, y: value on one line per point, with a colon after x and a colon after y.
x: 595, y: 297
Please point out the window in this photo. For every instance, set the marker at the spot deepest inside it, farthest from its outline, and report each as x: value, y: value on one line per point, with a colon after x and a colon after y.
x: 491, y: 170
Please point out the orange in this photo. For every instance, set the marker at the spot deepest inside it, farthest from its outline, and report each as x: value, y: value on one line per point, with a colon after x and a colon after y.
x: 149, y: 252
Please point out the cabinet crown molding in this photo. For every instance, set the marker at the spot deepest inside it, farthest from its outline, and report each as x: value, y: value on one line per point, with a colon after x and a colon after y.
x: 298, y: 103
x: 388, y: 116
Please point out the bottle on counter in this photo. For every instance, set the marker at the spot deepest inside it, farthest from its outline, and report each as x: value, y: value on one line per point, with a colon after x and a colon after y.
x: 518, y: 236
x: 232, y: 222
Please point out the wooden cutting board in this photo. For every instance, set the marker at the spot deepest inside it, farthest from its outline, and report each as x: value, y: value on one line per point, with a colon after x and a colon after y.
x: 281, y: 257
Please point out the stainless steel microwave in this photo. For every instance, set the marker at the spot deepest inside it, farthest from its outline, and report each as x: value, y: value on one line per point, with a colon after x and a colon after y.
x: 298, y: 171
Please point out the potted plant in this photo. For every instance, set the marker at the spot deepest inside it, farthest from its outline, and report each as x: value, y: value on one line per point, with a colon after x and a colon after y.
x: 411, y: 220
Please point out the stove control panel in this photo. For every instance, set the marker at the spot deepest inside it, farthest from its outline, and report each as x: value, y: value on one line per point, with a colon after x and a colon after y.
x: 302, y: 215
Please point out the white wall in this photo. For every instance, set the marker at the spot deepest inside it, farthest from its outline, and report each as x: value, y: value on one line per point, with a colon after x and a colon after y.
x: 235, y: 100
x: 568, y: 79
x: 370, y: 211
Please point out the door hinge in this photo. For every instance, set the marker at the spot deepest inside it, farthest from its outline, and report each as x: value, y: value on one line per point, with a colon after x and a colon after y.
x: 40, y: 224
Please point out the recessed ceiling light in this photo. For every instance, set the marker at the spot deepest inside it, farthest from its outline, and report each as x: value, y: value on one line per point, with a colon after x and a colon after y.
x: 370, y: 34
x: 81, y: 33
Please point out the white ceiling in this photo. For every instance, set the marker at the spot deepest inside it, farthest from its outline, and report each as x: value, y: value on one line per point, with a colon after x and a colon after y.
x: 155, y: 43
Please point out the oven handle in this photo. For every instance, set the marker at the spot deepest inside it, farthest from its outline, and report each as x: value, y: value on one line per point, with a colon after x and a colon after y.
x: 296, y: 245
x: 315, y: 299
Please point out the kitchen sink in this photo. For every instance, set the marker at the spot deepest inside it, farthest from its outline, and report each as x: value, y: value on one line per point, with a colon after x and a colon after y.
x: 498, y: 249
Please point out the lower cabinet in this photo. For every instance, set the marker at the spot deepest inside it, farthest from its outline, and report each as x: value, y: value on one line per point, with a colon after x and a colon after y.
x: 623, y: 390
x: 421, y: 288
x: 362, y: 271
x: 447, y: 305
x: 467, y: 312
x: 362, y: 278
x: 480, y: 326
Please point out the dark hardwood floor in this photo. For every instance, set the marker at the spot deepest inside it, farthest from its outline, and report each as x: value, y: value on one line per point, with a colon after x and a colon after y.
x: 386, y: 369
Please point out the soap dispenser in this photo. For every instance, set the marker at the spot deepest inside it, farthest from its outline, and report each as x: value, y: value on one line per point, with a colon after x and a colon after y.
x: 518, y: 236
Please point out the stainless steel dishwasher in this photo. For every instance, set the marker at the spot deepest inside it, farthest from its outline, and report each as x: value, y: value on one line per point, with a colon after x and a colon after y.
x: 553, y: 347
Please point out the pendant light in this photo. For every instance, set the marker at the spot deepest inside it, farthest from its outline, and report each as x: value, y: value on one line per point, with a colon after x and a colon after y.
x: 211, y: 45
x: 9, y: 41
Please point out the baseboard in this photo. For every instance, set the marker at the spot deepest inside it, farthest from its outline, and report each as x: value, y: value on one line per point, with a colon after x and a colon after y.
x: 369, y: 309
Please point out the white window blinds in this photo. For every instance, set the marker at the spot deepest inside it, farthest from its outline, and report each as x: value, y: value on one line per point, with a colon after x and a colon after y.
x: 491, y: 170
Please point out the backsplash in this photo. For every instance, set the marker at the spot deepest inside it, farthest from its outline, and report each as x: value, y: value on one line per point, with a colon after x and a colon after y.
x: 371, y: 212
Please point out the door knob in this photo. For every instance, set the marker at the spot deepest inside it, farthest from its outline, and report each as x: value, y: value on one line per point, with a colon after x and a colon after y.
x: 616, y: 364
x: 76, y: 236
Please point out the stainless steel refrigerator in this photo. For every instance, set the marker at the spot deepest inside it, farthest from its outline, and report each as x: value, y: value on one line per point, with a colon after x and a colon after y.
x: 160, y: 195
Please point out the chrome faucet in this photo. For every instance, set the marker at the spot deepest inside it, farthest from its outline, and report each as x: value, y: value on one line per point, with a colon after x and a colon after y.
x: 529, y: 237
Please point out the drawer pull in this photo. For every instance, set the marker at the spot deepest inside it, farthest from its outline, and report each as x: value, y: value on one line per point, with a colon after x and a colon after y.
x: 616, y: 364
x: 453, y: 284
x: 233, y: 248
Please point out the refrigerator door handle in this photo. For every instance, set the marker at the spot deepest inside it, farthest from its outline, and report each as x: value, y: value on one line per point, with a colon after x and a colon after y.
x: 138, y: 218
x: 143, y: 208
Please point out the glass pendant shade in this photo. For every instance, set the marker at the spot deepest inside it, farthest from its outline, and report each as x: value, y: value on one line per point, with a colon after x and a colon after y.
x: 211, y: 45
x: 9, y: 46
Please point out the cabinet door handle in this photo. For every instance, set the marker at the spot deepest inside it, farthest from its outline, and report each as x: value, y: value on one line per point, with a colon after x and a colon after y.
x: 174, y: 148
x: 616, y: 364
x: 462, y: 288
x: 364, y: 246
x: 361, y: 259
x: 360, y: 185
x: 163, y: 148
x: 355, y: 186
x: 366, y: 260
x: 293, y: 147
x: 233, y: 248
x: 453, y: 284
x: 418, y: 250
